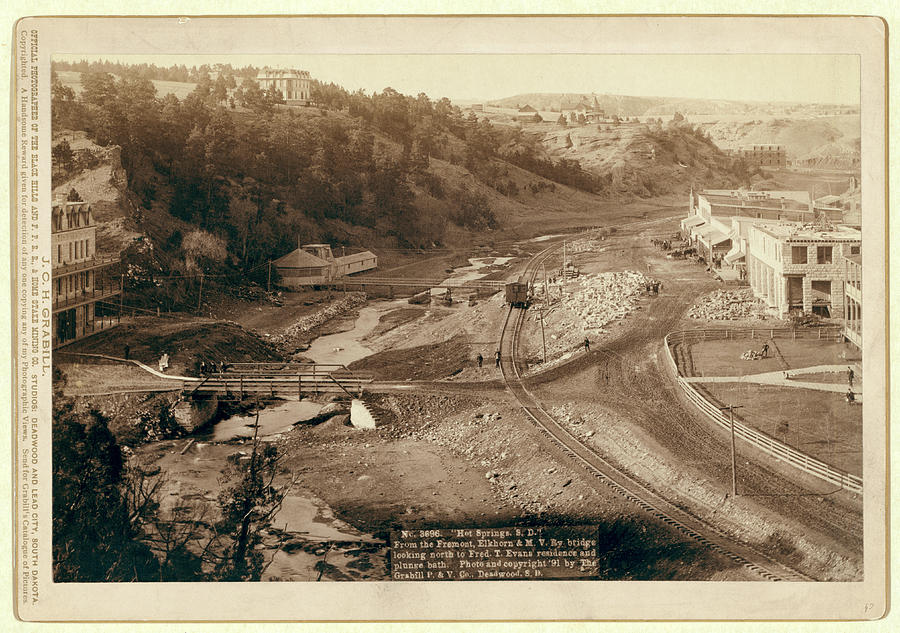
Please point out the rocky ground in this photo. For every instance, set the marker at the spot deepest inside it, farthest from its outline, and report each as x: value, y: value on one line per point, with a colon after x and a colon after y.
x: 729, y: 305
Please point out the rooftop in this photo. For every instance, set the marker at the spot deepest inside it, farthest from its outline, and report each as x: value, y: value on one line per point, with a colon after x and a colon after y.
x: 790, y: 231
x: 301, y: 259
x: 282, y: 73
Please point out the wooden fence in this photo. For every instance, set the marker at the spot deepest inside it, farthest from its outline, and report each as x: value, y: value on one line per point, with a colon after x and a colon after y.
x: 760, y: 440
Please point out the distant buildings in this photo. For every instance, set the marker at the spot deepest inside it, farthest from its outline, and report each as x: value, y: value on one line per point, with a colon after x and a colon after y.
x: 294, y: 85
x: 763, y: 155
x: 527, y: 114
x: 77, y: 273
x: 315, y: 264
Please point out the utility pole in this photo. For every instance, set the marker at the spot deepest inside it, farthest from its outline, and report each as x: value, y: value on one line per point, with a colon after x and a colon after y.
x: 546, y: 286
x: 200, y: 294
x: 543, y: 340
x: 731, y: 409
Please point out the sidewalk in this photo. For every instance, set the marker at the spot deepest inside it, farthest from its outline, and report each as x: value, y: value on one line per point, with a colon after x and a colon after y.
x: 777, y: 378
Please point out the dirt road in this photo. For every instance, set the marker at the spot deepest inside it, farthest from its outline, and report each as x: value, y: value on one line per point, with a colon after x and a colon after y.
x: 626, y: 375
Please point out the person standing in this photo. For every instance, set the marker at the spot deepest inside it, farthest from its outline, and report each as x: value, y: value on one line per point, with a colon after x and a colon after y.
x: 497, y: 359
x: 587, y: 344
x: 479, y: 359
x: 765, y: 350
x: 127, y: 351
x: 850, y: 376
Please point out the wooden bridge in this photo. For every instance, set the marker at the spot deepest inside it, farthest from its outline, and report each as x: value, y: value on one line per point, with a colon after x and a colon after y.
x: 278, y: 379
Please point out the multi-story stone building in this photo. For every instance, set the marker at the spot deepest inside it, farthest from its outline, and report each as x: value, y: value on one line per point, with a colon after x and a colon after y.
x: 78, y: 273
x: 718, y: 221
x: 764, y: 155
x: 794, y: 266
x: 853, y: 300
x: 294, y: 85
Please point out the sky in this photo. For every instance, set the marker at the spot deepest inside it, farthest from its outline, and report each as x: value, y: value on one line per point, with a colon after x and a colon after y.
x: 807, y: 78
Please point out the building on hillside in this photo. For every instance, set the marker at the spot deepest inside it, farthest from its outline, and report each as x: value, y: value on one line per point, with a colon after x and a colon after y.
x: 794, y: 266
x: 315, y: 264
x: 763, y: 155
x: 527, y: 114
x: 294, y: 85
x: 853, y: 299
x: 79, y: 275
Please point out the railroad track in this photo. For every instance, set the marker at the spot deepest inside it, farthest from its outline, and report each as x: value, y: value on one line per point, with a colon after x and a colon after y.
x: 602, y: 471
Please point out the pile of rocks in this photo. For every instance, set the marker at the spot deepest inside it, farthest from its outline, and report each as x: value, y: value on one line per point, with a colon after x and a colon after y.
x: 605, y: 297
x: 728, y: 305
x: 751, y: 354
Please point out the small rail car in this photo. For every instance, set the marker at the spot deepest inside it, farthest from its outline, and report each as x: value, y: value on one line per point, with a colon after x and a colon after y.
x: 517, y: 294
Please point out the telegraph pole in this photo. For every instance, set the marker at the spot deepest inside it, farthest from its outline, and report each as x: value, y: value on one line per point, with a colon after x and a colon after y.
x: 543, y: 340
x: 200, y: 294
x: 731, y: 409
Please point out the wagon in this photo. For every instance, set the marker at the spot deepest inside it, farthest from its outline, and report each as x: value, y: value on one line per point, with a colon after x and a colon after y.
x: 517, y: 294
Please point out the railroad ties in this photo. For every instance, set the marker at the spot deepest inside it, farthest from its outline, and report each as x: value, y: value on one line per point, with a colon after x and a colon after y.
x: 582, y: 455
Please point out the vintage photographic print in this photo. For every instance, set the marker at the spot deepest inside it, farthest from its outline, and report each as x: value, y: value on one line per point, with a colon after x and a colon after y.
x: 426, y: 315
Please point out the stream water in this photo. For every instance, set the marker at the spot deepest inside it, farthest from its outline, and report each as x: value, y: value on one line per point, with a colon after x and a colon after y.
x: 272, y: 420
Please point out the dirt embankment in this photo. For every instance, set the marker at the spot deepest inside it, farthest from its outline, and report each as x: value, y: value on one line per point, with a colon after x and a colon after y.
x: 440, y: 460
x: 97, y: 175
x: 186, y: 341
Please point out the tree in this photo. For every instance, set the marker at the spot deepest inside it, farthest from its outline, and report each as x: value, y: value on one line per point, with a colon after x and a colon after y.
x: 248, y: 507
x: 203, y: 250
x: 561, y: 121
x: 62, y: 154
x: 96, y: 524
x: 73, y: 196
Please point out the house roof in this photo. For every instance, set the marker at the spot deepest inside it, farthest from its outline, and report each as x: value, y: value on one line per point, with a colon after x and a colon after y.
x: 527, y: 108
x: 694, y: 220
x: 355, y: 257
x: 711, y: 236
x: 301, y: 259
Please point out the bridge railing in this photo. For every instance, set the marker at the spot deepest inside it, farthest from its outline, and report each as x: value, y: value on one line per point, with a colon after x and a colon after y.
x: 760, y: 440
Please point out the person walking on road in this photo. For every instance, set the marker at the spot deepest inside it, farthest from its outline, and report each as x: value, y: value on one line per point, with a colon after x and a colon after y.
x: 587, y: 344
x: 497, y: 359
x: 479, y: 359
x: 765, y: 350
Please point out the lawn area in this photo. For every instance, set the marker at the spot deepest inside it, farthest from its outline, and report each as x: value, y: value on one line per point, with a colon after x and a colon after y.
x: 723, y: 357
x: 819, y: 423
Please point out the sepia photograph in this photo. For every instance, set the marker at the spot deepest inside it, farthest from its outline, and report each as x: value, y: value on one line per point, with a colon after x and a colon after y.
x: 380, y: 317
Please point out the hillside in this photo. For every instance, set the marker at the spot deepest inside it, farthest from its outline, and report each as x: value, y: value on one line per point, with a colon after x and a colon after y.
x: 630, y: 106
x: 824, y: 142
x: 180, y: 89
x: 645, y: 160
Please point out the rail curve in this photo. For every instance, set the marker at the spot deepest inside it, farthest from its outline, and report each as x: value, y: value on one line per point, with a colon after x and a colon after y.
x: 602, y: 471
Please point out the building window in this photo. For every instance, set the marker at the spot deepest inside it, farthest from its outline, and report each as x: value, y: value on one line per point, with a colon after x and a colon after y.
x: 854, y: 250
x: 798, y: 254
x: 823, y: 255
